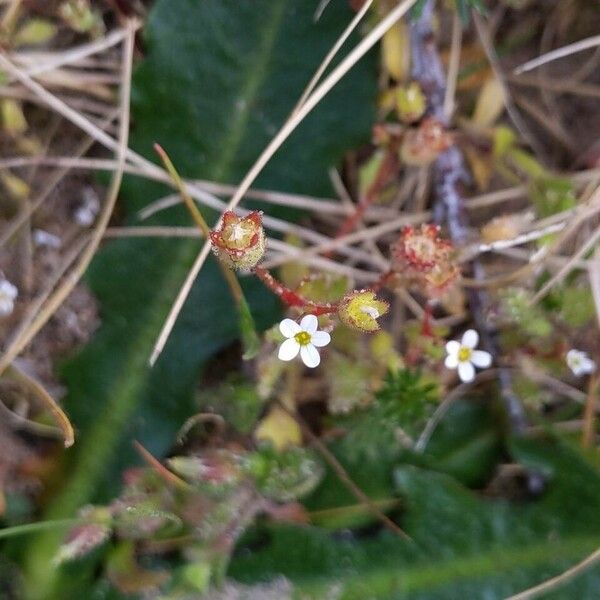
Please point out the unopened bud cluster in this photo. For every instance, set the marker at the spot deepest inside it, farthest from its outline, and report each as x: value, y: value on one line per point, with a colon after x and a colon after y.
x: 421, y: 256
x: 421, y: 145
x: 239, y: 241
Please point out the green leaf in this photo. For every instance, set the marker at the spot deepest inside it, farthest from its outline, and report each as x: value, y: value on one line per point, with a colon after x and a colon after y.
x: 465, y: 545
x: 218, y: 81
x: 250, y: 338
x: 466, y: 444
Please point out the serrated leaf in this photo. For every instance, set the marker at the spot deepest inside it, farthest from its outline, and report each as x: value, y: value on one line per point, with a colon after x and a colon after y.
x: 465, y: 545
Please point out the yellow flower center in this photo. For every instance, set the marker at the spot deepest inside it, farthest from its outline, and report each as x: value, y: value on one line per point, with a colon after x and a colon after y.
x: 303, y: 338
x: 464, y: 354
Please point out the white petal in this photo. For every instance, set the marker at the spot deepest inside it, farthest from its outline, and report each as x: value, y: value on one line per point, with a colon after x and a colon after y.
x: 289, y: 328
x: 588, y: 365
x: 578, y: 370
x: 481, y: 359
x: 452, y: 347
x: 466, y: 371
x: 320, y: 338
x: 6, y: 306
x: 470, y: 338
x: 310, y: 356
x: 451, y: 361
x: 288, y: 350
x: 309, y: 323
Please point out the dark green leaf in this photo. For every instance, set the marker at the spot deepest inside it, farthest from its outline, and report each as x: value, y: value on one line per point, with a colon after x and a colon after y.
x: 218, y: 80
x: 465, y: 546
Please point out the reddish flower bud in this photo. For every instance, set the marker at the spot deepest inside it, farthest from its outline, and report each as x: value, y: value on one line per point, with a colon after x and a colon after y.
x: 423, y: 144
x: 440, y: 277
x: 240, y: 241
x: 420, y: 249
x: 422, y: 257
x: 82, y: 539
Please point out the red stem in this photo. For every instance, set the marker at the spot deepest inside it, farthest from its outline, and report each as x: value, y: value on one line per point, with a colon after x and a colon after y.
x: 291, y: 298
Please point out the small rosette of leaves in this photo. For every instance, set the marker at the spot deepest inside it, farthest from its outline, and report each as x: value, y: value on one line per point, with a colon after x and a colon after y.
x: 394, y: 420
x: 239, y: 242
x: 286, y: 475
x: 405, y: 399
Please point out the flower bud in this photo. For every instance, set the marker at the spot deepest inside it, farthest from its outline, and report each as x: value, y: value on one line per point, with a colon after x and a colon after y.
x: 410, y: 102
x: 440, y: 277
x: 84, y: 538
x: 504, y: 227
x: 422, y: 257
x: 423, y: 144
x: 361, y: 309
x: 420, y: 249
x: 240, y: 241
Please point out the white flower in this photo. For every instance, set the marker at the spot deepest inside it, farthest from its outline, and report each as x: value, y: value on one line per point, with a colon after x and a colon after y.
x: 43, y: 238
x: 303, y: 338
x: 463, y: 356
x: 87, y: 211
x: 580, y: 363
x: 8, y: 294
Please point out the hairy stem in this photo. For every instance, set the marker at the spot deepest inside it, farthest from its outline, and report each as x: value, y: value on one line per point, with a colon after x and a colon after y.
x: 449, y: 207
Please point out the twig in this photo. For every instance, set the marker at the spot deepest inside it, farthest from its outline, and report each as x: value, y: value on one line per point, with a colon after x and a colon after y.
x: 74, y: 276
x: 511, y: 109
x: 444, y: 407
x: 47, y: 401
x: 167, y: 475
x: 559, y: 580
x: 331, y: 54
x: 589, y: 413
x: 561, y: 86
x: 579, y: 46
x: 60, y: 59
x: 14, y: 225
x: 453, y: 66
x: 450, y: 206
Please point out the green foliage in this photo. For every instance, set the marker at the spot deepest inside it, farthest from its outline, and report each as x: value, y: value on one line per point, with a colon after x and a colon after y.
x: 399, y: 411
x: 405, y: 400
x: 465, y: 545
x: 573, y: 303
x: 467, y: 445
x: 324, y: 287
x: 218, y: 80
x: 284, y: 475
x: 236, y: 400
x: 530, y: 318
x: 552, y: 194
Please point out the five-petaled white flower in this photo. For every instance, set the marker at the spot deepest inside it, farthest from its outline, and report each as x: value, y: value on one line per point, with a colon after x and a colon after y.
x: 303, y: 338
x: 580, y: 363
x: 463, y: 356
x: 8, y: 294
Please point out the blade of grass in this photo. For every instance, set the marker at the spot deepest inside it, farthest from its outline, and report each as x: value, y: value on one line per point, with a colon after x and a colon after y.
x: 250, y: 338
